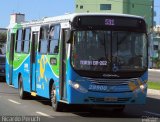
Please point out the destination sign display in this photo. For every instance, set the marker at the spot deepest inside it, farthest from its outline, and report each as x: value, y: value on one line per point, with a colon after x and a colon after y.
x: 110, y: 21
x: 113, y: 22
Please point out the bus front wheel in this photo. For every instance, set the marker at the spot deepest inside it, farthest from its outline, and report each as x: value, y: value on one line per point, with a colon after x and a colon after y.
x: 22, y: 93
x: 57, y: 106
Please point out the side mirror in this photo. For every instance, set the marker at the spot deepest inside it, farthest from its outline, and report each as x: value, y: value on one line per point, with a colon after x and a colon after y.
x: 67, y: 36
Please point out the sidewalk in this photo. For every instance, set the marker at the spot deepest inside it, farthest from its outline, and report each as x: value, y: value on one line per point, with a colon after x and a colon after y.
x: 153, y: 92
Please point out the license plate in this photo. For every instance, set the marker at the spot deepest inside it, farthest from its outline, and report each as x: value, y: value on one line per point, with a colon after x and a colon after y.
x: 110, y: 99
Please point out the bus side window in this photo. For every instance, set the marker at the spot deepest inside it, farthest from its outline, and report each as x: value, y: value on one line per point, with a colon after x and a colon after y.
x: 54, y: 39
x: 19, y: 41
x: 26, y: 45
x: 43, y: 43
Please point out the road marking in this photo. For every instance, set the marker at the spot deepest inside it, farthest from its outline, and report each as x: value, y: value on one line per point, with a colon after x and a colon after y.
x: 43, y: 114
x: 156, y: 114
x: 11, y: 86
x: 14, y: 101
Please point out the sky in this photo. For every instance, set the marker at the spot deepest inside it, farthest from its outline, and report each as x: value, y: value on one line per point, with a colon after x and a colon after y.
x: 34, y: 9
x: 37, y: 9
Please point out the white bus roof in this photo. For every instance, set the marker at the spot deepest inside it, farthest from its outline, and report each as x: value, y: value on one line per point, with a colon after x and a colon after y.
x: 70, y: 17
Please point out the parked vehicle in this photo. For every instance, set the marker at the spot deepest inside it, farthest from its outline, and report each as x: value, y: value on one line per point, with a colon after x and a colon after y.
x: 2, y: 60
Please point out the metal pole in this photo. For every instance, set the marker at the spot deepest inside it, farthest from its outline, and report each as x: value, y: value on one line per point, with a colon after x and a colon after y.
x: 152, y: 14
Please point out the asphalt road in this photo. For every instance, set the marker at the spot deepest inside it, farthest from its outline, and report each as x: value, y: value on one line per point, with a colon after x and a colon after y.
x: 11, y: 105
x: 154, y: 76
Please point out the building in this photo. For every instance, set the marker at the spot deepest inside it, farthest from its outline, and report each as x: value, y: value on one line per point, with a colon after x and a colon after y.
x: 156, y: 42
x: 155, y: 48
x: 16, y: 18
x: 142, y: 8
x: 3, y: 34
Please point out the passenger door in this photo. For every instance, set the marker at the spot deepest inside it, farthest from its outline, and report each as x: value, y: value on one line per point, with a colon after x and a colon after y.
x: 33, y: 57
x: 63, y: 61
x: 11, y: 57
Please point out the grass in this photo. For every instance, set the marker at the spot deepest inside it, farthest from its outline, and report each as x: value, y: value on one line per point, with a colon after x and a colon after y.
x: 154, y: 85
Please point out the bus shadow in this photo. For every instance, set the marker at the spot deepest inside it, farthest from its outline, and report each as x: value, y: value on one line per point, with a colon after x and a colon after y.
x: 101, y: 113
x: 131, y: 111
x: 2, y: 79
x: 39, y: 99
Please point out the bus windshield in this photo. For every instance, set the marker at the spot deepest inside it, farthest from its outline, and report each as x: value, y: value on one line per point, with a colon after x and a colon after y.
x: 107, y: 51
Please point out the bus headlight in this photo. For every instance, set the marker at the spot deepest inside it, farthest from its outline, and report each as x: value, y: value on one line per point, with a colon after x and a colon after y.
x: 142, y: 87
x: 77, y: 87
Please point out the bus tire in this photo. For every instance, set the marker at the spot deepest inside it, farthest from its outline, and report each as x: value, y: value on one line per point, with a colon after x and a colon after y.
x: 57, y: 106
x: 22, y: 93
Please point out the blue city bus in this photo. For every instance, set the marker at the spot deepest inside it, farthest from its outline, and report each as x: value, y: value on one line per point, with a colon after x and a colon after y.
x: 81, y: 59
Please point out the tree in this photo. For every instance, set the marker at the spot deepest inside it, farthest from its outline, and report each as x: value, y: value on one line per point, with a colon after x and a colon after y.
x: 3, y: 37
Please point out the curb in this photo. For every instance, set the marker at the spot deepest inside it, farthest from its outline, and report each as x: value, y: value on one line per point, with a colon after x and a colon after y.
x: 153, y: 92
x: 154, y: 70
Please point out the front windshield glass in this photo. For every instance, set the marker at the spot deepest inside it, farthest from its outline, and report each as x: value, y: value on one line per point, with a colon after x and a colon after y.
x: 129, y: 51
x: 91, y: 50
x: 109, y: 51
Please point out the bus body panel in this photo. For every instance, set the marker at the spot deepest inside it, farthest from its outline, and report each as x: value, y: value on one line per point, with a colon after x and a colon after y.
x: 7, y: 71
x: 23, y: 69
x: 7, y: 65
x: 90, y: 93
x: 10, y: 52
x: 45, y: 73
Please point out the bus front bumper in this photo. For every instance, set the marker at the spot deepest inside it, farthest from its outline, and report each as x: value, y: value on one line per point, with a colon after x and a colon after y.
x: 82, y: 96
